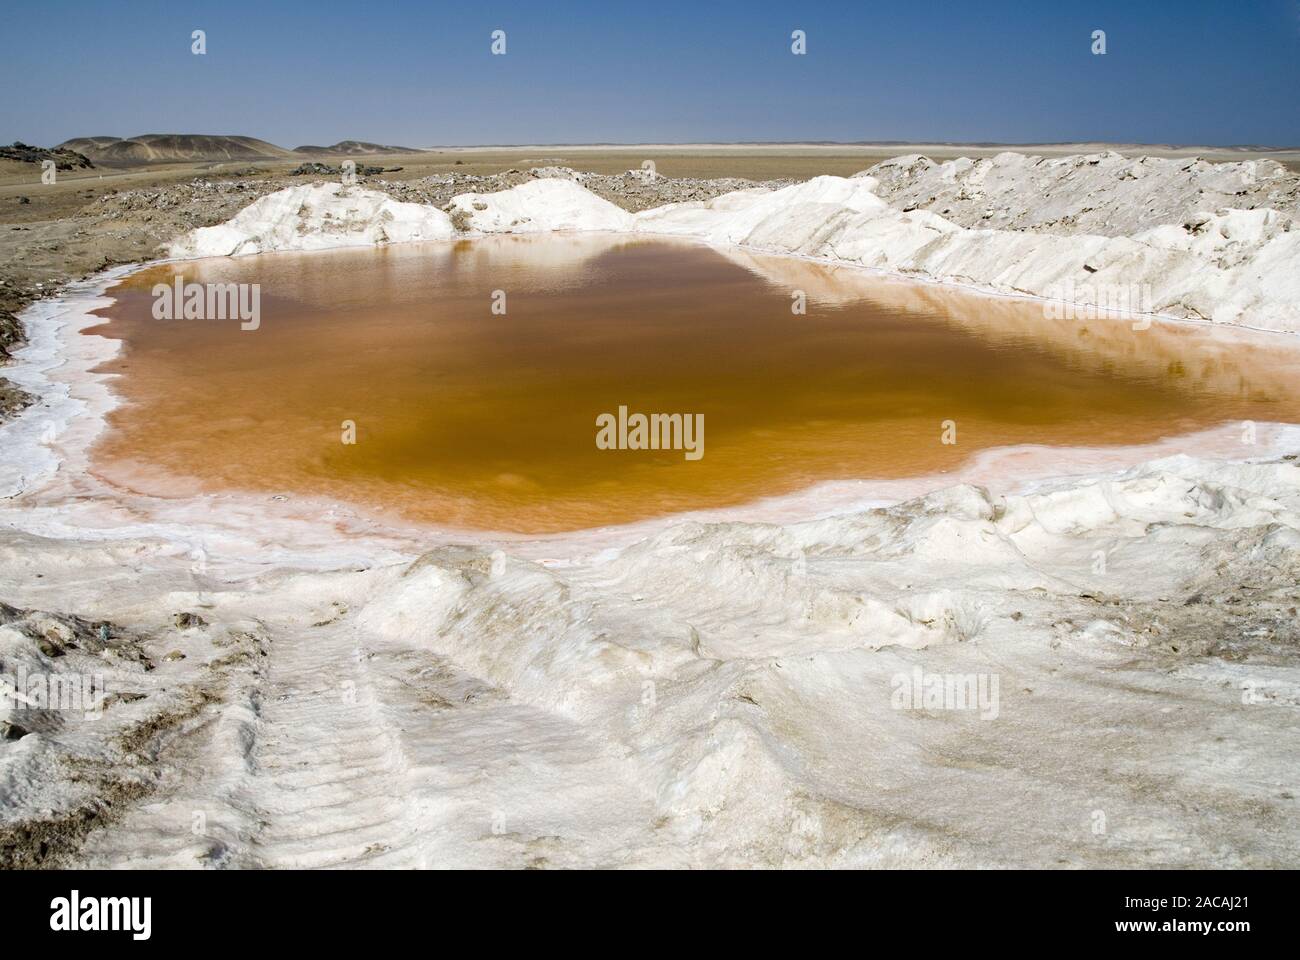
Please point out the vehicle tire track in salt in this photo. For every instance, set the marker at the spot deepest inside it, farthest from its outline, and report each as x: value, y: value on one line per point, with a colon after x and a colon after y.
x: 330, y: 787
x: 293, y: 766
x: 378, y: 754
x: 346, y: 750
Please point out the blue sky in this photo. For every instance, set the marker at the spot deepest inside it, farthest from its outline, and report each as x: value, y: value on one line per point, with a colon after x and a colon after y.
x: 421, y: 73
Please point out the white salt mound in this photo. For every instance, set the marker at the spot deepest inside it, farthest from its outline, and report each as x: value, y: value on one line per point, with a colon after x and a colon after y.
x: 315, y: 216
x: 540, y: 206
x: 1163, y: 237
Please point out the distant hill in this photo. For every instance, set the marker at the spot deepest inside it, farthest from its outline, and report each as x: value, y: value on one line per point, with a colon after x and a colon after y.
x: 174, y: 148
x: 346, y: 148
x: 196, y: 147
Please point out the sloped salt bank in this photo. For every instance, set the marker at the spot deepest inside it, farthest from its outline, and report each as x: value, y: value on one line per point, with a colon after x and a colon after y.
x: 1105, y: 194
x: 726, y: 694
x: 1187, y: 257
x: 1235, y: 267
x: 316, y: 216
x: 1184, y: 255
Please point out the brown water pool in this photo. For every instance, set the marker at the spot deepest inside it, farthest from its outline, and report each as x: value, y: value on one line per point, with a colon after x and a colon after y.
x: 478, y: 419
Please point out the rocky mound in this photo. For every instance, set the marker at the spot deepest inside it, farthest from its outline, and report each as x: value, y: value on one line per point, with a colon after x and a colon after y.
x: 64, y: 159
x: 326, y: 170
x: 354, y: 148
x: 174, y: 148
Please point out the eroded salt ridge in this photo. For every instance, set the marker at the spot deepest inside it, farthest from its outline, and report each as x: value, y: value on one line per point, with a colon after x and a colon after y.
x: 726, y: 694
x: 1216, y: 263
x: 1101, y: 193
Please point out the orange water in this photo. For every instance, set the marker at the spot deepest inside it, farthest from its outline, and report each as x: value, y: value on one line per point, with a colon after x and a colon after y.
x: 478, y: 420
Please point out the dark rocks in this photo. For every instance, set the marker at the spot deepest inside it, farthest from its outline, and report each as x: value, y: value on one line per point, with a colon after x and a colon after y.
x: 58, y: 634
x: 49, y: 647
x: 63, y: 159
x: 324, y: 169
x: 188, y: 621
x: 13, y: 400
x: 632, y: 191
x: 11, y: 333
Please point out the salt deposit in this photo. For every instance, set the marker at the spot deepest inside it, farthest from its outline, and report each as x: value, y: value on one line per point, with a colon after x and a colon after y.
x: 1058, y: 229
x: 723, y: 693
x: 539, y: 206
x: 316, y: 216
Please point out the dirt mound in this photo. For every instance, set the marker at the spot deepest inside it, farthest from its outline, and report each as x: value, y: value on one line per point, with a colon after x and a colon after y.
x: 353, y: 148
x: 174, y: 148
